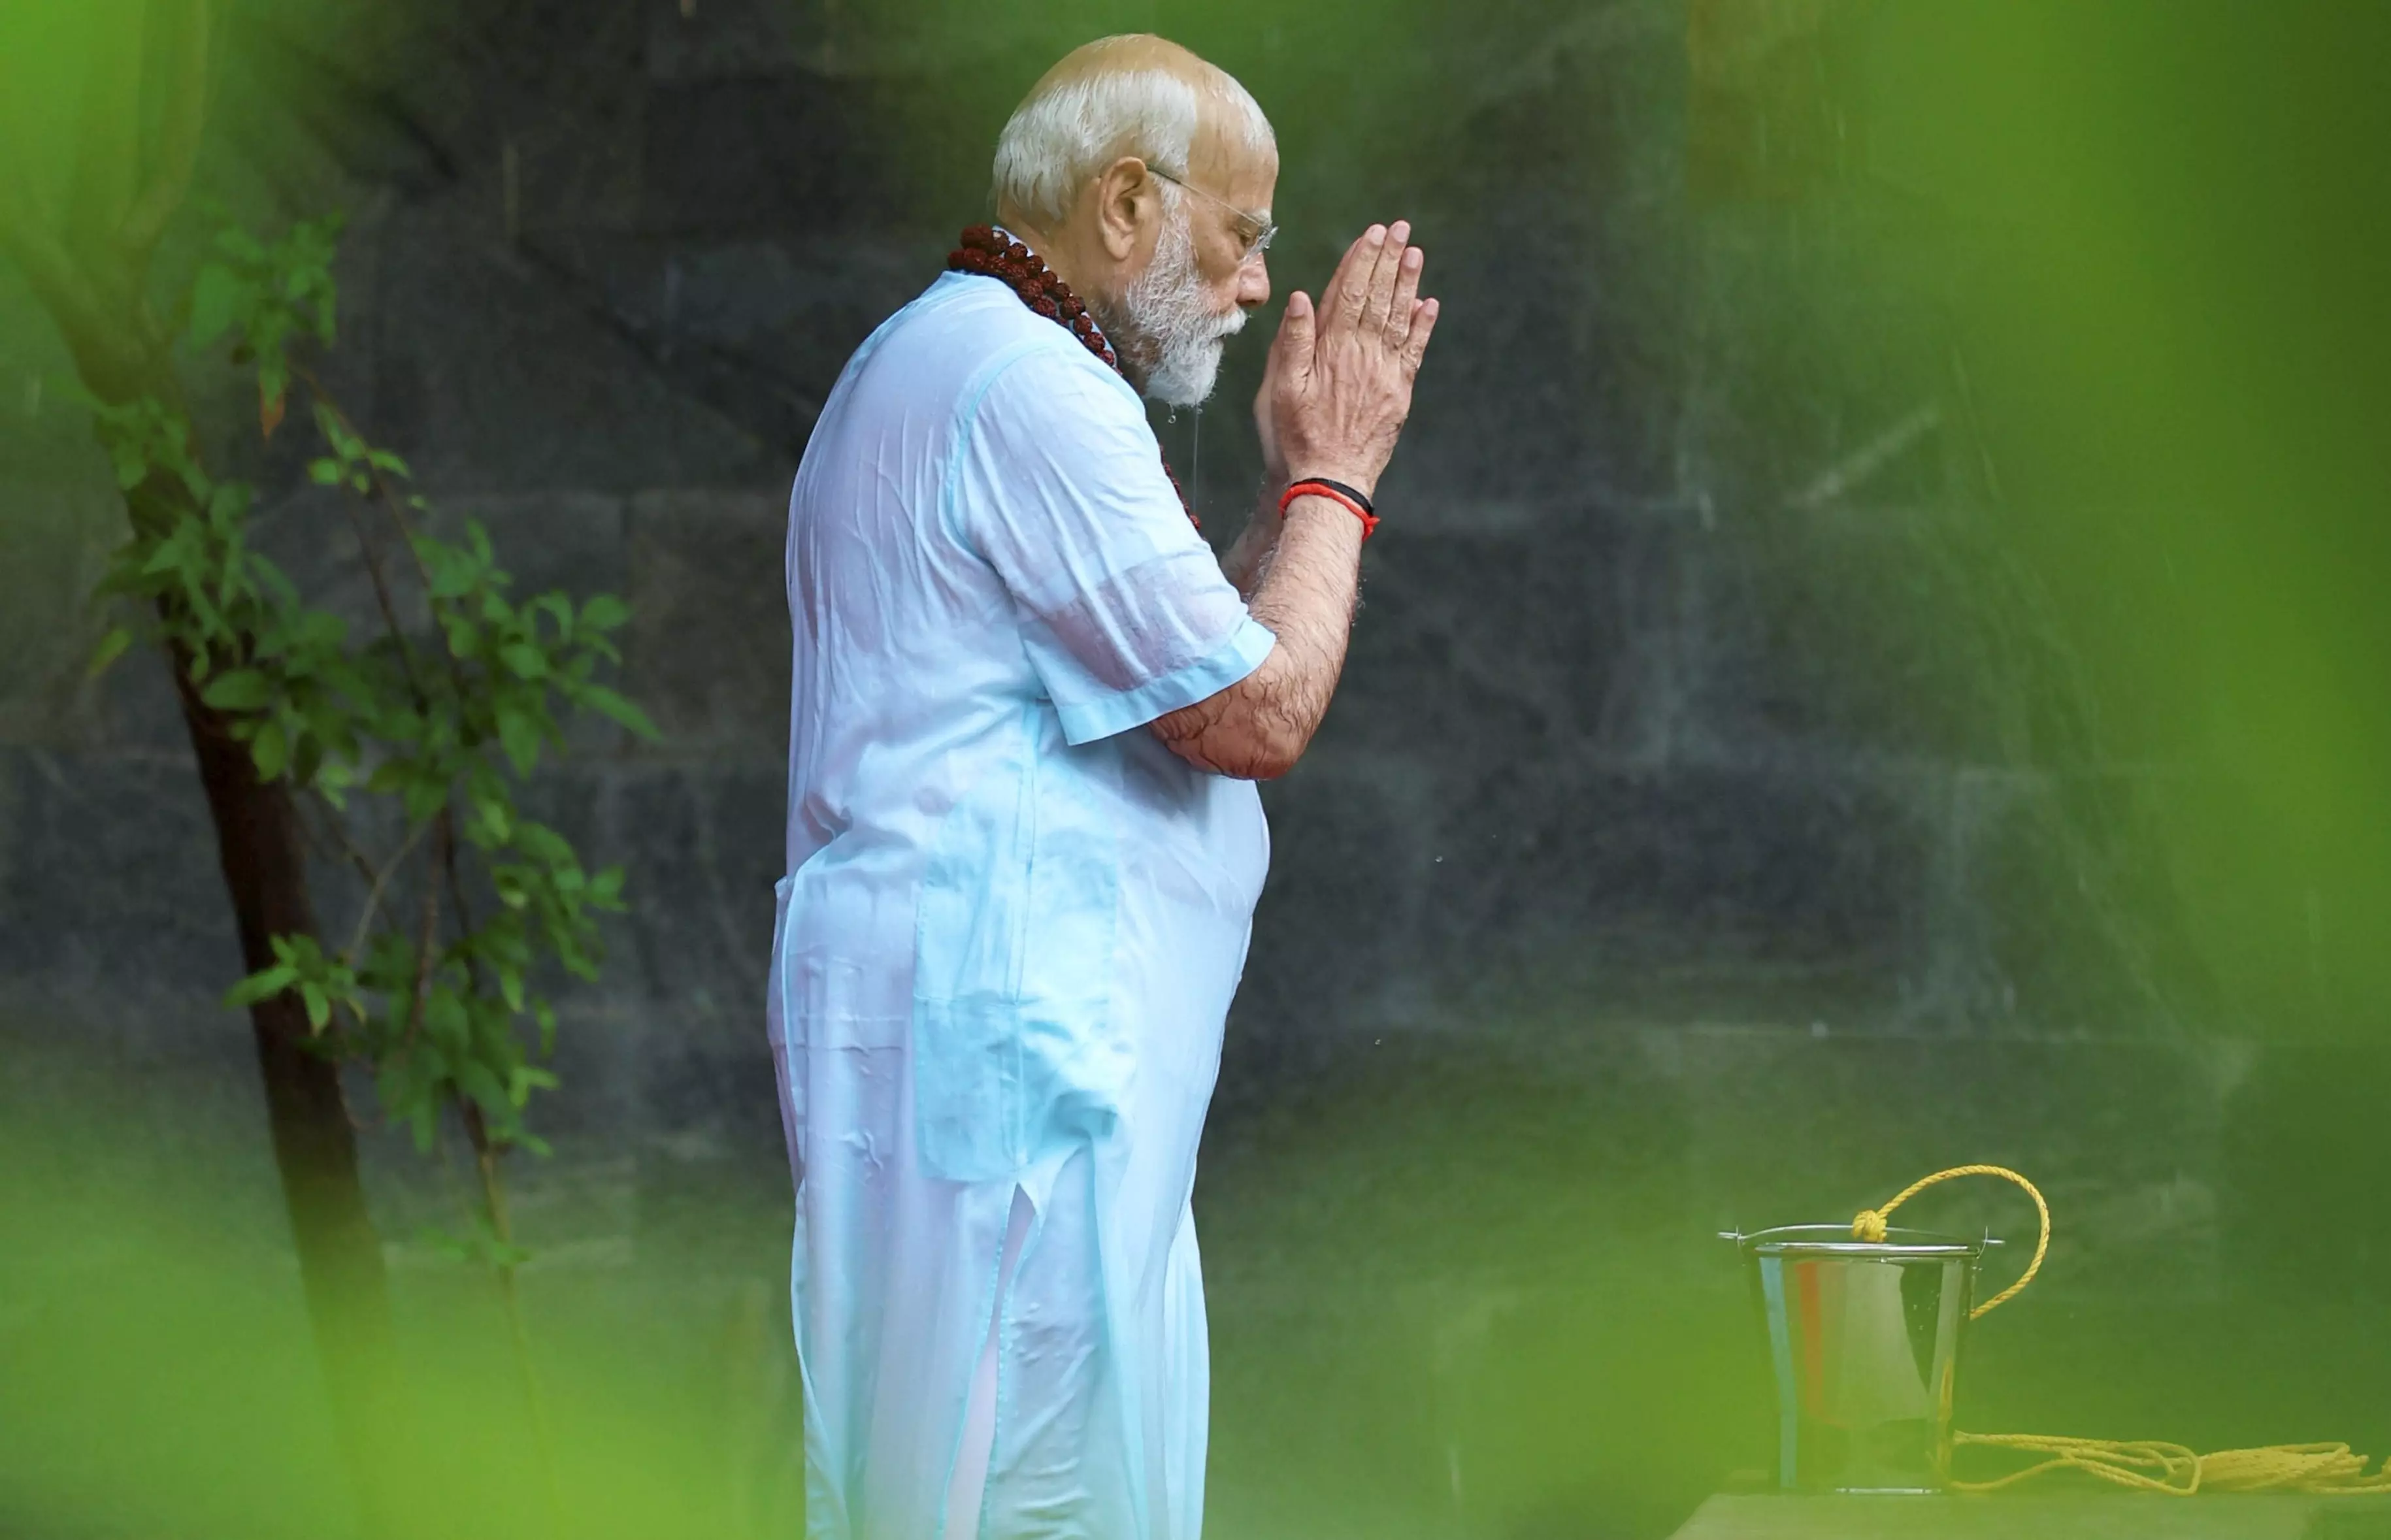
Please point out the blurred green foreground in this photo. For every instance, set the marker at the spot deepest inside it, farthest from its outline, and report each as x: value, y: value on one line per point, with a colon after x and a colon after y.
x: 1443, y: 1302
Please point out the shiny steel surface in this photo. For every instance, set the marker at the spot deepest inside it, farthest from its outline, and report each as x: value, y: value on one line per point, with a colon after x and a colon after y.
x: 1864, y: 1340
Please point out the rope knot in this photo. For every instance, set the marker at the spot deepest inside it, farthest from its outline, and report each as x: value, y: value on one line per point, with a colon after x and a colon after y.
x: 1869, y: 1225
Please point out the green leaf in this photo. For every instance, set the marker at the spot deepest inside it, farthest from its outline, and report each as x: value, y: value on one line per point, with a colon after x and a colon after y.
x: 111, y: 648
x: 240, y: 689
x: 319, y: 1006
x: 608, y: 703
x: 445, y: 1020
x: 604, y: 612
x: 432, y: 1239
x: 519, y: 735
x: 474, y: 1077
x: 451, y: 570
x: 271, y: 750
x: 227, y: 505
x: 494, y: 817
x: 167, y: 554
x: 324, y: 472
x: 219, y: 296
x: 262, y: 985
x: 423, y: 798
x: 528, y: 661
x: 542, y: 843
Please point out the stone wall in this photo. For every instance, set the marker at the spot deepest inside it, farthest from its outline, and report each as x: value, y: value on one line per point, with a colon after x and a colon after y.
x: 1695, y: 690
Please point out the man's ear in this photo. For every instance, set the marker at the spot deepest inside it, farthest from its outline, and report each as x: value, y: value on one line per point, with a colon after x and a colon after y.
x: 1125, y: 196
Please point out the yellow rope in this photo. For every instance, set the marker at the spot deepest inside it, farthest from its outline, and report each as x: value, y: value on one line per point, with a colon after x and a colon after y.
x: 2145, y: 1465
x: 2148, y: 1465
x: 1870, y: 1225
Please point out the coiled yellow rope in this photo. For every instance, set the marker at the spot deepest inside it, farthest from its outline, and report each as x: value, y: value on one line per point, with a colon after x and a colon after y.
x: 2144, y: 1465
x: 2148, y: 1465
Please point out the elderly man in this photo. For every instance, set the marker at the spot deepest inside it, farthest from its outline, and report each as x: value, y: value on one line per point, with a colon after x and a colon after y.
x: 1023, y: 842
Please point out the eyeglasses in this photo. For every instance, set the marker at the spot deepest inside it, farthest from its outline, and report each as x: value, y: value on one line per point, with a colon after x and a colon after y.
x: 1254, y: 231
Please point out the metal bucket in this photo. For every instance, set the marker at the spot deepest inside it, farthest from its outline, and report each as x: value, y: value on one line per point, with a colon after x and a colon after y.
x: 1864, y: 1338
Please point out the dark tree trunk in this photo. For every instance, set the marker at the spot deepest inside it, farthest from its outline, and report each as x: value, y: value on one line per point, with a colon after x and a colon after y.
x: 340, y: 1270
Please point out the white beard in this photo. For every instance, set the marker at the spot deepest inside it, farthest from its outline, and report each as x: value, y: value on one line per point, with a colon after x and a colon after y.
x: 1164, y: 330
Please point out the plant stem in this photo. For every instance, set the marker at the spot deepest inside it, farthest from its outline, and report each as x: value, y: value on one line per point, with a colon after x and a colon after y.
x: 494, y: 1211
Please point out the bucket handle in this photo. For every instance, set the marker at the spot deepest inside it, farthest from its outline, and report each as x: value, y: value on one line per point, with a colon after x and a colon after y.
x: 1869, y: 1223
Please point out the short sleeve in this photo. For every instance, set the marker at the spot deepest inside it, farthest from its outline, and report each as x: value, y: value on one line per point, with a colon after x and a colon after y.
x: 1059, y: 485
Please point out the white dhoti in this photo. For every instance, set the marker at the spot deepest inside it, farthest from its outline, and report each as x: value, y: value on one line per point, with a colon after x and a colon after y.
x: 1007, y: 942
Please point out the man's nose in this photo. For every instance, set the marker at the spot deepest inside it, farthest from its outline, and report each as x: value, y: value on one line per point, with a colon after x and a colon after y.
x: 1253, y: 283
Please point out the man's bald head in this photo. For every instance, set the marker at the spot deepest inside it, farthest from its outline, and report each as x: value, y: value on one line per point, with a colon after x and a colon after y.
x: 1135, y: 94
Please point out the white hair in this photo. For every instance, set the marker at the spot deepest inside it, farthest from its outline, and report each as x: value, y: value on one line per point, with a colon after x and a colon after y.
x: 1065, y: 134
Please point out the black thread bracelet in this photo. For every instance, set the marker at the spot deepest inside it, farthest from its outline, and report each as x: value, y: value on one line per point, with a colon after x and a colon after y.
x: 1341, y: 489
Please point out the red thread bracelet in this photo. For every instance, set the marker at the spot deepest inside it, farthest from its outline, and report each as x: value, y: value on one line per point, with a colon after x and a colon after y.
x: 1322, y: 489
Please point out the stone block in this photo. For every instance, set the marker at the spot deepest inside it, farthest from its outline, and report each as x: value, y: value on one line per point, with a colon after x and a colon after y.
x: 1689, y: 889
x: 58, y: 538
x: 1494, y: 1145
x: 109, y: 878
x: 792, y: 150
x: 1882, y: 636
x: 136, y: 710
x: 757, y: 327
x: 498, y: 373
x: 798, y: 305
x: 1333, y: 936
x: 2069, y: 878
x: 1820, y: 368
x: 544, y: 539
x: 1492, y: 648
x: 708, y: 1087
x: 730, y: 38
x: 704, y: 848
x: 708, y: 649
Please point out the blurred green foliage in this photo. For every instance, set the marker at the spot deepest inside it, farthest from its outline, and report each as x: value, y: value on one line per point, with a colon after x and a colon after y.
x: 2180, y: 335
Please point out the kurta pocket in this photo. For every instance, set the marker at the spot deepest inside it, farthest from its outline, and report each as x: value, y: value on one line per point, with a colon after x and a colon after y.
x: 1016, y: 1052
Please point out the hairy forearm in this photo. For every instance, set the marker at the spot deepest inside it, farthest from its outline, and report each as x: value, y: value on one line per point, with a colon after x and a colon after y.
x: 1249, y: 556
x: 1258, y: 727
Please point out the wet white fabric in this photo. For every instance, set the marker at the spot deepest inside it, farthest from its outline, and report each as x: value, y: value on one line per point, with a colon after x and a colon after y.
x: 1009, y: 935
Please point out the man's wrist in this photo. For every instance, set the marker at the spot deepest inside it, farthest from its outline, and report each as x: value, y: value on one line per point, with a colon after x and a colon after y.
x: 1363, y: 482
x: 1327, y: 492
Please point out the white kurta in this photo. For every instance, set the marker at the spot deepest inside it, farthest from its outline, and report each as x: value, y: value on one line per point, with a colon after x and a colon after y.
x: 1009, y: 935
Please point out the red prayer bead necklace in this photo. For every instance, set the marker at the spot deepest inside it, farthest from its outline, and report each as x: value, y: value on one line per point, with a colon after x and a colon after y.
x: 990, y: 253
